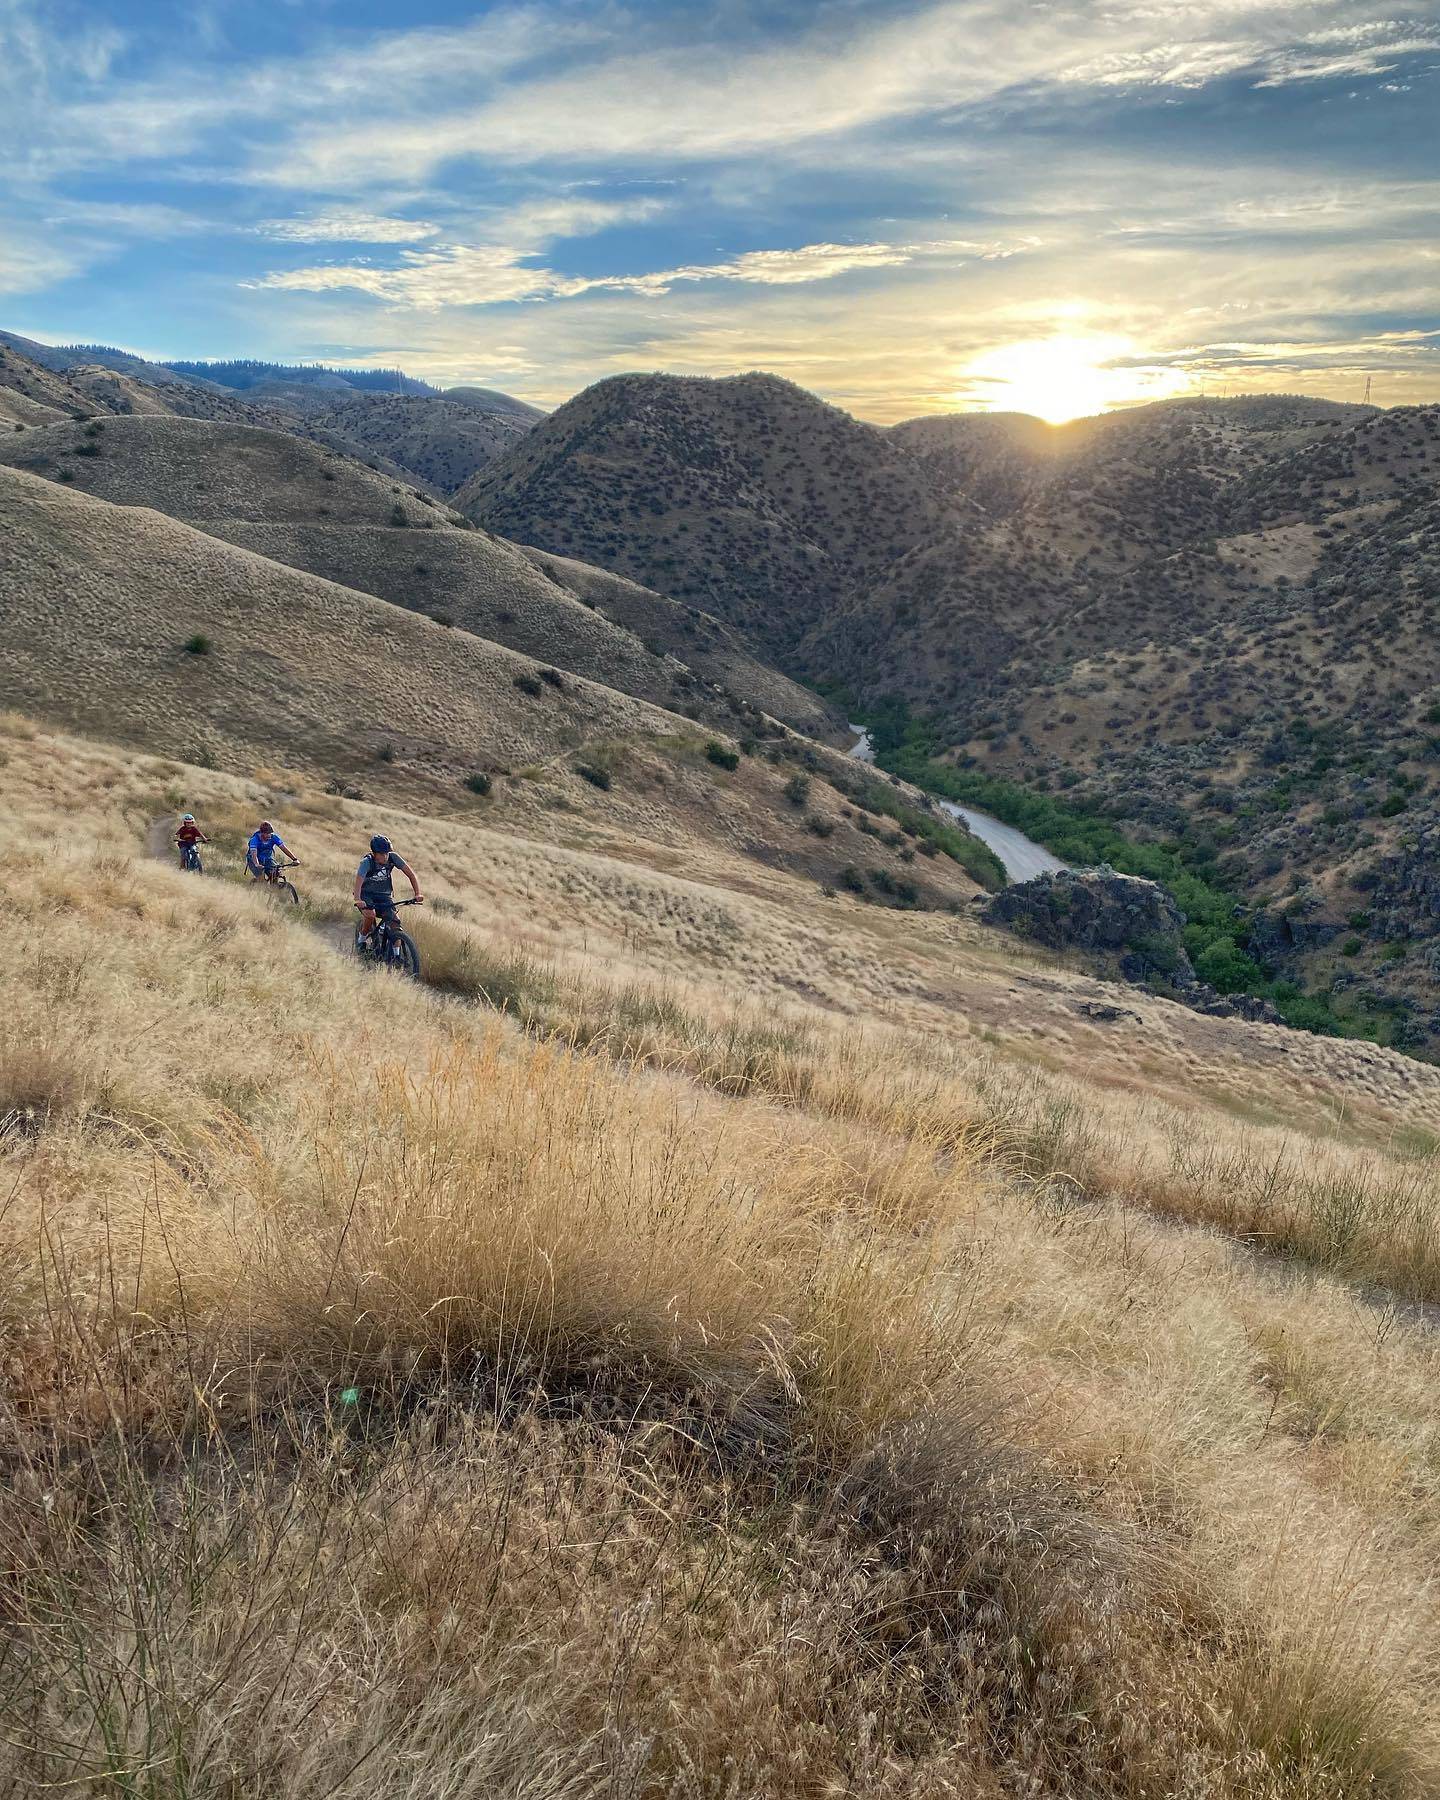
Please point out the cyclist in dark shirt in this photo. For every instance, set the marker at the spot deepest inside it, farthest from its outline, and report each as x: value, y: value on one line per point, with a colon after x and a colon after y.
x: 188, y: 835
x: 374, y: 893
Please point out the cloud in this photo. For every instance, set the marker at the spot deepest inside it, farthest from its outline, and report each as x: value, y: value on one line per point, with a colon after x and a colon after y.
x: 347, y: 227
x: 707, y: 101
x: 549, y: 219
x: 908, y: 340
x: 179, y: 108
x: 1318, y: 65
x: 489, y: 274
x: 31, y: 262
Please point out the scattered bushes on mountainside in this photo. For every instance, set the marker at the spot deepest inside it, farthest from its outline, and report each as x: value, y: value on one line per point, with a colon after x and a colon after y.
x: 721, y: 755
x: 1216, y: 924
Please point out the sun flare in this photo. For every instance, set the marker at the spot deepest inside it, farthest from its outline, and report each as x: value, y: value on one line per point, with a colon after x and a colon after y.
x: 1067, y: 377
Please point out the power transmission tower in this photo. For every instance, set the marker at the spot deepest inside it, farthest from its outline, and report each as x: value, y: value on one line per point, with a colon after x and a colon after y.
x: 1369, y: 379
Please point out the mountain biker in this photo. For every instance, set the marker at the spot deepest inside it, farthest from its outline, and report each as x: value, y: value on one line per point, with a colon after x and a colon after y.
x: 260, y: 851
x: 188, y: 834
x: 373, y: 892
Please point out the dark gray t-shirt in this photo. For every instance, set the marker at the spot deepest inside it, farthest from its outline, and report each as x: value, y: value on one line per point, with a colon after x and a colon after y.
x: 376, y: 878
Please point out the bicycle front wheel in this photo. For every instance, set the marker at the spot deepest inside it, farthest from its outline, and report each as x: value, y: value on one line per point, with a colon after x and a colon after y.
x: 404, y: 955
x: 286, y: 891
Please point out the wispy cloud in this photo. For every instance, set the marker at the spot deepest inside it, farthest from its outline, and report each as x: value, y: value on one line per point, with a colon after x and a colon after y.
x: 490, y: 274
x: 347, y: 227
x: 31, y: 261
x: 706, y: 102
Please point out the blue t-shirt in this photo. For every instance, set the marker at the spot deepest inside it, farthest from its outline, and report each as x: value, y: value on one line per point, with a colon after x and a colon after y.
x: 261, y: 851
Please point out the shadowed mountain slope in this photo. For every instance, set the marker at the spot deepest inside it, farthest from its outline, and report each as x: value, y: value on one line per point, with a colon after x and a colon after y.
x: 443, y: 438
x: 747, y: 497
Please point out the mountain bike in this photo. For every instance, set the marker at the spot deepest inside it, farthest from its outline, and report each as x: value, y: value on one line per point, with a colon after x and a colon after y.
x: 278, y: 884
x: 390, y: 947
x: 190, y: 859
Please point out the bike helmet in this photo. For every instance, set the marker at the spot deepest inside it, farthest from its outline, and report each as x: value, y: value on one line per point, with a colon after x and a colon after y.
x: 379, y: 846
x: 187, y: 818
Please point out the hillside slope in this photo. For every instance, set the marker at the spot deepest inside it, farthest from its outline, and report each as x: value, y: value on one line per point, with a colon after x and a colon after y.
x: 697, y: 1345
x: 101, y: 598
x: 419, y: 437
x: 1277, y: 705
x: 443, y: 438
x: 300, y: 504
x: 125, y: 621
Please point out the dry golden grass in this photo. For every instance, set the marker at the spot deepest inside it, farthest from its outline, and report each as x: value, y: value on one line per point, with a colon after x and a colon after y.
x: 662, y: 1391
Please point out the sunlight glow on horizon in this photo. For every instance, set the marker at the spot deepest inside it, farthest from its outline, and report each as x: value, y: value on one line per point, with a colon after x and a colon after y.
x: 1064, y: 377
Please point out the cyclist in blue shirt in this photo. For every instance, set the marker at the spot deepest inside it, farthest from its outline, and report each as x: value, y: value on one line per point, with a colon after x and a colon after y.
x: 260, y: 851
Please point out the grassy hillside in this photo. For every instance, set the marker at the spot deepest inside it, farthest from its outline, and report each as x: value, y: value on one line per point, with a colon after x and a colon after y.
x: 675, y: 1384
x: 123, y: 620
x: 198, y: 469
x: 302, y: 504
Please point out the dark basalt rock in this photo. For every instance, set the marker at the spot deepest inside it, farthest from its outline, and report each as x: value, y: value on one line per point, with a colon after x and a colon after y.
x: 1095, y: 909
x: 1132, y: 927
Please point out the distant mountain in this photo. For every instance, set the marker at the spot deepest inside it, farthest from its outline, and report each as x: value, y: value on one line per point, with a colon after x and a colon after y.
x: 404, y: 427
x: 245, y: 373
x: 64, y: 357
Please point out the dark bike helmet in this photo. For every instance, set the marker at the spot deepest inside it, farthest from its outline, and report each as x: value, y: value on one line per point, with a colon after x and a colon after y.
x: 380, y: 846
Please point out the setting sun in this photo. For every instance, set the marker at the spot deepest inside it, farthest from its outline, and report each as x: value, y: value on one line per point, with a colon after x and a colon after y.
x: 1066, y: 377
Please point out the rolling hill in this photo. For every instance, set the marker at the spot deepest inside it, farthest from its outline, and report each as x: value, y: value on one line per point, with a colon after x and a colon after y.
x: 124, y: 620
x: 408, y: 429
x: 301, y: 504
x: 442, y: 438
x: 747, y: 497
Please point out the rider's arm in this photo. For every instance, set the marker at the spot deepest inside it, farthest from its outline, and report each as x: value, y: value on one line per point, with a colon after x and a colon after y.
x: 410, y: 876
x: 359, y: 882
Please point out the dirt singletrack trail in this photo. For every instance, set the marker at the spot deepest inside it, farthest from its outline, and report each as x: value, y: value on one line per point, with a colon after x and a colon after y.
x: 160, y: 847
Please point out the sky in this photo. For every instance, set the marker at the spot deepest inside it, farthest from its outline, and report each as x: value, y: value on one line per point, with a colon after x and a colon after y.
x: 908, y: 208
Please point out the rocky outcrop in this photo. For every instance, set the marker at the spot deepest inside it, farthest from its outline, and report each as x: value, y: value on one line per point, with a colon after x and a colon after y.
x: 1094, y: 909
x: 1133, y: 928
